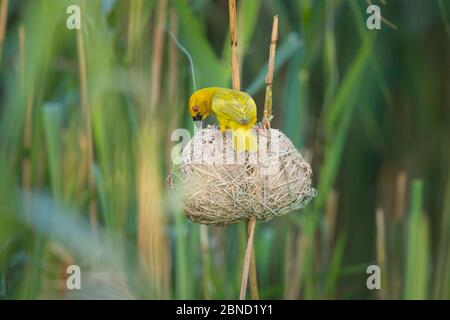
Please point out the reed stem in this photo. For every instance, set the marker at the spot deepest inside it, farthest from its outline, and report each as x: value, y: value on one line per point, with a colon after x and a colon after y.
x: 249, y: 258
x: 87, y: 137
x: 158, y: 51
x: 3, y: 23
x: 267, y: 117
x: 234, y: 51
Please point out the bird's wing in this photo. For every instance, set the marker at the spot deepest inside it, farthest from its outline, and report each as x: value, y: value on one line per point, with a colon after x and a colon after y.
x: 235, y: 106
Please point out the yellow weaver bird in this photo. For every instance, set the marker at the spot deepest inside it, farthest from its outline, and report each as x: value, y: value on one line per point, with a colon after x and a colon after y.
x: 235, y: 110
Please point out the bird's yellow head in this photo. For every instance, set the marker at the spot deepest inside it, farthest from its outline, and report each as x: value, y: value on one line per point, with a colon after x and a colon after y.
x: 200, y: 103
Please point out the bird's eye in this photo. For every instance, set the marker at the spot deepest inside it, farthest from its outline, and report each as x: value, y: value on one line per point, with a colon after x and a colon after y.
x: 195, y: 108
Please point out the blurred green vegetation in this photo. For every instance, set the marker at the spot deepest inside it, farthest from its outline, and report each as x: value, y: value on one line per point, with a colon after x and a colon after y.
x: 85, y: 124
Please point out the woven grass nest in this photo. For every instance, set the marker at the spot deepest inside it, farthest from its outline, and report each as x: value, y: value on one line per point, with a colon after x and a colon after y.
x: 219, y: 186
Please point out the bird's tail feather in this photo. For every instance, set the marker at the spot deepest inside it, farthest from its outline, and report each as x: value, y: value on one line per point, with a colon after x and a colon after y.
x: 244, y: 140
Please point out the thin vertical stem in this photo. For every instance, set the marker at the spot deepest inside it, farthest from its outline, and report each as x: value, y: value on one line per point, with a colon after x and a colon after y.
x: 253, y: 275
x: 27, y: 93
x: 3, y: 22
x: 158, y: 50
x: 330, y: 217
x: 381, y: 250
x: 22, y: 56
x: 134, y: 29
x: 266, y: 121
x: 249, y: 258
x: 267, y: 117
x: 236, y: 82
x: 182, y: 279
x: 249, y: 254
x: 153, y: 243
x: 87, y: 143
x: 173, y: 61
x: 204, y: 242
x: 400, y: 196
x: 173, y: 76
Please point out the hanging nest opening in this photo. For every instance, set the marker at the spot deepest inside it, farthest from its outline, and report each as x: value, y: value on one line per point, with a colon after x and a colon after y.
x: 218, y: 186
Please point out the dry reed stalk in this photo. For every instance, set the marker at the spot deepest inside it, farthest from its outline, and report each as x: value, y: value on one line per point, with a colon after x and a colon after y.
x: 153, y: 245
x: 249, y: 258
x: 266, y: 122
x: 381, y: 249
x: 293, y: 277
x: 29, y: 104
x: 253, y: 275
x: 330, y: 216
x: 173, y: 63
x: 40, y: 176
x: 157, y: 49
x: 3, y: 23
x: 173, y: 86
x: 400, y: 196
x: 394, y: 225
x: 236, y: 82
x: 86, y: 140
x: 22, y: 56
x: 205, y: 261
x: 267, y: 117
x: 288, y: 262
x: 134, y: 28
x: 131, y: 26
x: 27, y: 134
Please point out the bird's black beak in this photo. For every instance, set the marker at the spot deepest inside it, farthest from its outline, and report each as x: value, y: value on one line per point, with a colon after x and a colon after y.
x: 197, y: 117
